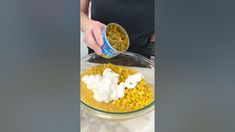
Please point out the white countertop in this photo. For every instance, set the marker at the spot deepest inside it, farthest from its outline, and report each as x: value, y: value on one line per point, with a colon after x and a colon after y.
x: 93, y: 124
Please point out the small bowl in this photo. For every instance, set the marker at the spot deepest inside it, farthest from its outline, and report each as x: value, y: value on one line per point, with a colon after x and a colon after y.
x: 129, y: 60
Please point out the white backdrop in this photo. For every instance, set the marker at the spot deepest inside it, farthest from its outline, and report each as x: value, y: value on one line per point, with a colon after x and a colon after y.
x: 83, y: 49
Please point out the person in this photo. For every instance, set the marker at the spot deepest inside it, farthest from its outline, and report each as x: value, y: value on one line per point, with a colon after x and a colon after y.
x: 135, y: 16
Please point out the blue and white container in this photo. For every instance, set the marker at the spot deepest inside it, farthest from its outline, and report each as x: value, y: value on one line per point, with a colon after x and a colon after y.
x: 107, y: 50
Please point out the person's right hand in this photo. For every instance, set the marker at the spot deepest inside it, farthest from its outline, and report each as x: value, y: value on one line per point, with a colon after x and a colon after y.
x: 92, y: 36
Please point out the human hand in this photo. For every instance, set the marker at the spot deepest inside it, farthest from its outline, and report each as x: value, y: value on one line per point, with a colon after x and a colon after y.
x: 93, y: 37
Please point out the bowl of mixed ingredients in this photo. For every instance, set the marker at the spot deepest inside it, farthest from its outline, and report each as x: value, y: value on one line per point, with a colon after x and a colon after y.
x: 118, y: 88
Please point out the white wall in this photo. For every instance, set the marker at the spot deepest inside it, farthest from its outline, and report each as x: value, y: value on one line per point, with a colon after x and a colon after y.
x: 83, y: 49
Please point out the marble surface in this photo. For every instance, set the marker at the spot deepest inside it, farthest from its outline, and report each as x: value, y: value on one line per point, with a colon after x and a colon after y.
x: 90, y: 123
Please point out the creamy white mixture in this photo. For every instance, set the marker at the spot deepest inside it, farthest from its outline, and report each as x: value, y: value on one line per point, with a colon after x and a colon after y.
x: 106, y: 88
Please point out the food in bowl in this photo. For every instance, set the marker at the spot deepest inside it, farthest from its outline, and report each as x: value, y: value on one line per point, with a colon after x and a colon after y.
x: 114, y: 88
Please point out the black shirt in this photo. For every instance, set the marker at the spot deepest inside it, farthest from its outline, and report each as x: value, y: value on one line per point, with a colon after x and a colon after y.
x: 136, y: 16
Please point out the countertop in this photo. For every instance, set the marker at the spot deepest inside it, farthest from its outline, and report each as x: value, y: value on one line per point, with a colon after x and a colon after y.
x: 90, y: 123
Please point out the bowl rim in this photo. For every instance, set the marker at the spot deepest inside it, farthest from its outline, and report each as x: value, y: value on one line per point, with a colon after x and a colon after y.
x: 121, y: 113
x: 127, y: 53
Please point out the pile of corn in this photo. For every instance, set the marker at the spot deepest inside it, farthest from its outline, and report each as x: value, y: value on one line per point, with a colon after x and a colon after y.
x: 136, y: 98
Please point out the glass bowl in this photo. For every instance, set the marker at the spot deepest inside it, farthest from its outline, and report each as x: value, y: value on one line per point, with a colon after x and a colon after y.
x: 130, y: 60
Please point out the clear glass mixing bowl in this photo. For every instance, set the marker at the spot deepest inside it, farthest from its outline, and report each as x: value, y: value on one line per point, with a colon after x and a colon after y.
x: 127, y: 59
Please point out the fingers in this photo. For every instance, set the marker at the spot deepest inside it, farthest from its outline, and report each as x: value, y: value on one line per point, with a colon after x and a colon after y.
x: 90, y: 41
x: 93, y: 37
x: 97, y: 31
